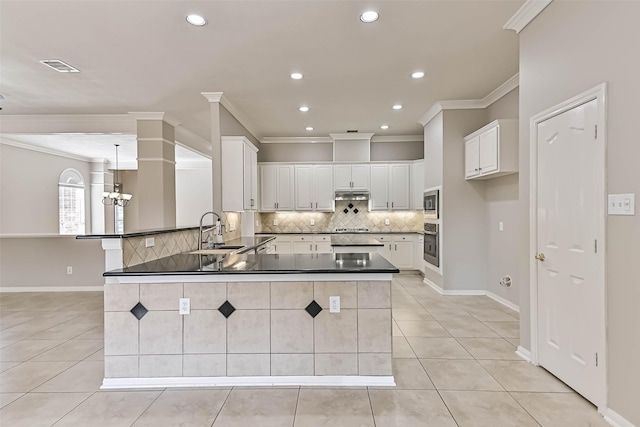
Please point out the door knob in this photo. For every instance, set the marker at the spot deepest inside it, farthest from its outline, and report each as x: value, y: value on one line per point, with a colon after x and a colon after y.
x: 540, y: 257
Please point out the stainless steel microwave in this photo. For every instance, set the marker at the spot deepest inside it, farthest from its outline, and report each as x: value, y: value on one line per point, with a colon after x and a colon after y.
x: 431, y: 200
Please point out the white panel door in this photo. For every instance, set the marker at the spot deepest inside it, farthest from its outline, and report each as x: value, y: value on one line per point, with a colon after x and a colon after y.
x: 489, y: 151
x: 285, y: 186
x: 304, y: 187
x: 570, y: 291
x: 471, y: 157
x: 323, y: 188
x: 379, y: 199
x: 268, y: 184
x: 342, y: 174
x: 399, y: 187
x: 360, y: 177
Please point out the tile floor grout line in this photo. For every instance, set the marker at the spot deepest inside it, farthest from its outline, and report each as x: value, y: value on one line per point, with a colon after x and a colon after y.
x: 524, y: 409
x: 222, y: 406
x: 447, y: 406
x: 295, y: 411
x: 373, y: 416
x: 70, y: 410
x: 148, y: 406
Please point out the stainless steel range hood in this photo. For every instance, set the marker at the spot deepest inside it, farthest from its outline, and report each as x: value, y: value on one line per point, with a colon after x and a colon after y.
x: 352, y: 195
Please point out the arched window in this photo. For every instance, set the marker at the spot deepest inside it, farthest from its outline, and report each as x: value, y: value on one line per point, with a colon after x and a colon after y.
x: 71, y: 202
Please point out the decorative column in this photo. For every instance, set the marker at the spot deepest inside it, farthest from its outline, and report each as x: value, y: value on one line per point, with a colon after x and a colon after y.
x: 216, y: 148
x: 156, y: 192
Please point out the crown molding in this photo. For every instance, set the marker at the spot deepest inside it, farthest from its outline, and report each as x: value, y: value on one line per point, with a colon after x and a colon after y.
x: 471, y: 104
x: 147, y: 115
x: 212, y: 96
x: 296, y: 140
x: 350, y: 136
x: 185, y: 138
x: 67, y: 123
x: 398, y: 138
x: 43, y: 150
x: 527, y: 13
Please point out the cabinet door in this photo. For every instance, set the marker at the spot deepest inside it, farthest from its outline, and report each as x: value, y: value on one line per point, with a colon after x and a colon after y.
x: 281, y: 247
x: 303, y: 247
x: 417, y: 185
x: 323, y: 247
x: 304, y: 188
x: 379, y: 199
x: 402, y: 255
x: 418, y: 254
x: 268, y: 183
x: 250, y: 181
x: 323, y: 188
x: 471, y: 157
x: 284, y: 188
x: 342, y: 177
x: 399, y: 187
x: 489, y: 151
x: 360, y: 177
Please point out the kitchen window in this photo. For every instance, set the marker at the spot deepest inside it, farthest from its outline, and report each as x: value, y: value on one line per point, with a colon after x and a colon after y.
x: 71, y: 202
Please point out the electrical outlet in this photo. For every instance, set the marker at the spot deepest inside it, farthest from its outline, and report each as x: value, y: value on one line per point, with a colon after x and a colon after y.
x: 69, y: 270
x: 149, y: 242
x: 257, y: 223
x: 334, y: 304
x: 501, y: 226
x: 185, y: 305
x: 313, y: 221
x: 386, y: 221
x: 232, y: 226
x: 275, y: 221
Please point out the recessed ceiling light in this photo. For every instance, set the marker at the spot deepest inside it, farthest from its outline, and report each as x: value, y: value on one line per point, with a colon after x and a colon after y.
x: 417, y: 75
x: 304, y: 109
x: 296, y: 76
x: 369, y: 16
x: 384, y: 127
x: 59, y: 66
x: 309, y: 128
x: 196, y: 20
x: 397, y: 107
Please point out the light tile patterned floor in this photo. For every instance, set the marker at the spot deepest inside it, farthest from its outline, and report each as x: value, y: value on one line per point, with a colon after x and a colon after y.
x: 454, y: 365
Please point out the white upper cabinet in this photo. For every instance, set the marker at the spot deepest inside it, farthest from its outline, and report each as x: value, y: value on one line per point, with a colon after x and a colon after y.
x: 239, y: 174
x: 417, y: 185
x: 351, y: 177
x: 390, y: 187
x: 314, y: 188
x: 492, y: 151
x: 276, y: 188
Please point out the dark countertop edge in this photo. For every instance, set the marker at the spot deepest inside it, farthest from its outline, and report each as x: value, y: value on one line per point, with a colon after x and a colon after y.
x: 333, y: 232
x: 375, y: 245
x: 249, y: 247
x: 222, y: 273
x: 135, y: 234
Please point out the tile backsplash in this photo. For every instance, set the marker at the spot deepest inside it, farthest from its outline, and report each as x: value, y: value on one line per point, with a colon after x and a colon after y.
x: 348, y: 214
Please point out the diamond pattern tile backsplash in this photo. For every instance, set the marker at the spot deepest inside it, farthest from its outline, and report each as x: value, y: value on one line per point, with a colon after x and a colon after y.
x: 344, y: 217
x: 134, y: 251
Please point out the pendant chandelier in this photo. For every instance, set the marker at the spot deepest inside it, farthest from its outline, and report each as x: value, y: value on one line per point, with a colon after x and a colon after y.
x: 115, y: 197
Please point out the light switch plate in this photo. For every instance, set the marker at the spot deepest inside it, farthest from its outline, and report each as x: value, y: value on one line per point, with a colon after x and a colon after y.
x: 313, y: 221
x: 275, y: 222
x: 621, y: 204
x: 149, y: 242
x: 501, y: 226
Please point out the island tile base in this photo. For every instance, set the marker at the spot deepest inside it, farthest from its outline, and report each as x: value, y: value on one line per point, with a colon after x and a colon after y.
x: 265, y: 330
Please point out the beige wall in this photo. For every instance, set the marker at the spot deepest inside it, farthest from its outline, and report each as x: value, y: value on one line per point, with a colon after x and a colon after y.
x: 556, y: 64
x: 29, y: 190
x: 501, y: 204
x: 389, y: 151
x: 230, y: 126
x: 433, y: 134
x: 31, y: 262
x: 193, y: 195
x: 296, y: 153
x: 129, y: 180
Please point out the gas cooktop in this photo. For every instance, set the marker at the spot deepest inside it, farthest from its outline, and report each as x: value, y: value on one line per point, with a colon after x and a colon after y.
x: 352, y: 230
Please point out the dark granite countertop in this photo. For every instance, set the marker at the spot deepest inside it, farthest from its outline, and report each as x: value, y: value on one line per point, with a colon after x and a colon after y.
x: 135, y: 233
x: 249, y: 243
x: 190, y: 264
x: 354, y: 240
x: 259, y: 233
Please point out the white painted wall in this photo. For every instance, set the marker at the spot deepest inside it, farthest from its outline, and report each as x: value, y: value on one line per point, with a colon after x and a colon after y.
x: 193, y: 195
x: 569, y: 48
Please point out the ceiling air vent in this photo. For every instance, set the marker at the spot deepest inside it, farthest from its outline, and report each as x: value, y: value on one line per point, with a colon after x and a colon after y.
x: 59, y: 66
x: 352, y: 131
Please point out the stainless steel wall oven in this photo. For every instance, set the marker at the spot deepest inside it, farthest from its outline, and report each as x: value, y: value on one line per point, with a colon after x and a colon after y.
x: 431, y: 244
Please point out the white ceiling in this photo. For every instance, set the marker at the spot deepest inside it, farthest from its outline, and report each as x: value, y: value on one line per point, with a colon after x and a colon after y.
x: 143, y: 56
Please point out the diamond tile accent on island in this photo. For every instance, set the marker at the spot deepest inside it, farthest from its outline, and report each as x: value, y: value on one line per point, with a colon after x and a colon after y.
x: 139, y: 311
x: 313, y: 309
x: 226, y: 309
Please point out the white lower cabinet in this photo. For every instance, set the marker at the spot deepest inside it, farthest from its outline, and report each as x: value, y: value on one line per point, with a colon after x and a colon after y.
x: 309, y: 244
x: 418, y: 254
x: 281, y: 245
x: 397, y: 249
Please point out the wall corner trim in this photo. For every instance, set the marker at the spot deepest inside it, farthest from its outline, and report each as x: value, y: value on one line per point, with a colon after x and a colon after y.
x: 527, y: 13
x: 470, y: 104
x: 524, y: 353
x: 615, y: 419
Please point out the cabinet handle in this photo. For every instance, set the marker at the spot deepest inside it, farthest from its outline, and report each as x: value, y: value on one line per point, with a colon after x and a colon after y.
x: 392, y: 205
x: 316, y: 205
x: 311, y: 205
x: 387, y: 204
x: 311, y: 247
x: 476, y: 169
x: 316, y: 248
x: 396, y: 248
x: 275, y: 206
x: 479, y: 168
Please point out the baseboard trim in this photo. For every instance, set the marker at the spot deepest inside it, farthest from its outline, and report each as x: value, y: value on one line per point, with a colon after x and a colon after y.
x: 51, y: 288
x: 473, y: 292
x: 503, y: 301
x: 615, y: 419
x: 524, y: 353
x: 266, y: 381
